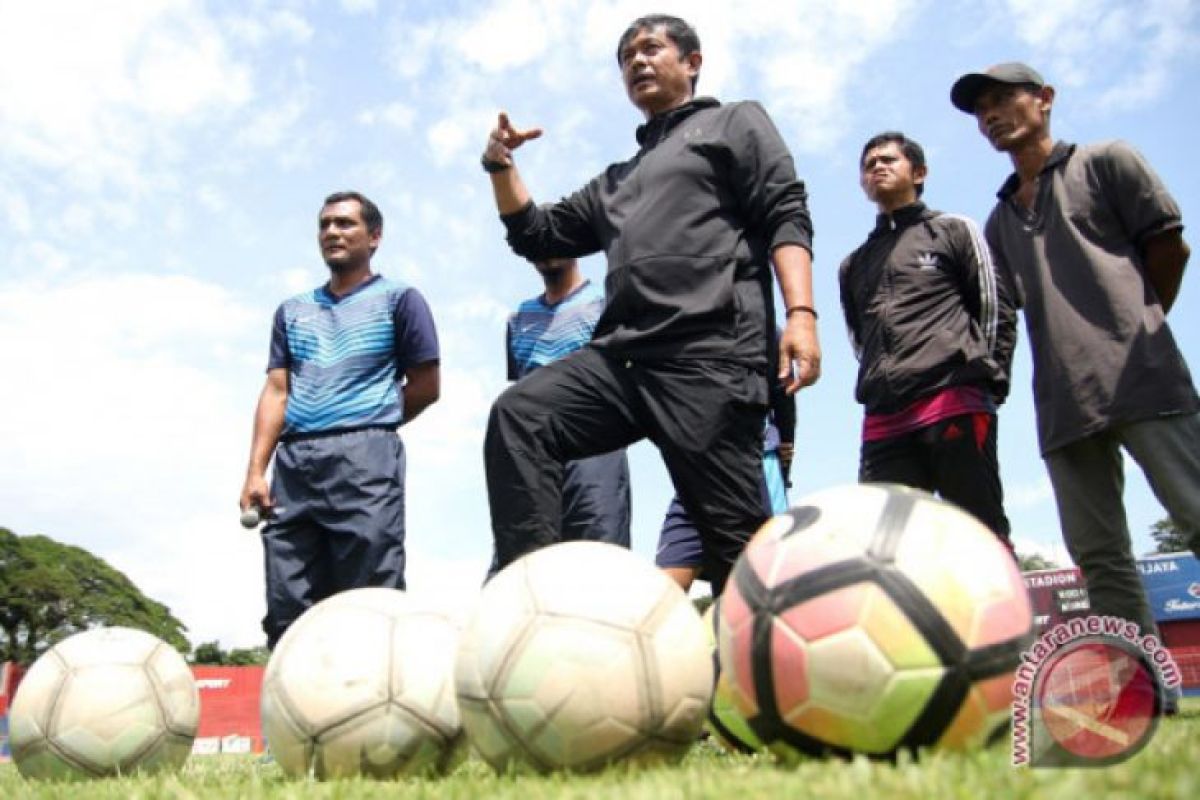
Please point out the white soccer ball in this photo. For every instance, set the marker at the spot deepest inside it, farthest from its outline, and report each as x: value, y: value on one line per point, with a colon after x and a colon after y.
x: 363, y: 684
x: 580, y: 655
x: 109, y: 701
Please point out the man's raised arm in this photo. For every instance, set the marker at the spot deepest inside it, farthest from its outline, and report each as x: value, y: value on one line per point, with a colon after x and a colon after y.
x: 507, y: 186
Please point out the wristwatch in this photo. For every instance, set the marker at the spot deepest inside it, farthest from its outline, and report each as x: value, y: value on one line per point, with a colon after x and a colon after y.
x: 490, y: 166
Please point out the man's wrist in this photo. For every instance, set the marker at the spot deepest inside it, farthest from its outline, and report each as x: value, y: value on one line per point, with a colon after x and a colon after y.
x: 801, y: 309
x: 491, y: 167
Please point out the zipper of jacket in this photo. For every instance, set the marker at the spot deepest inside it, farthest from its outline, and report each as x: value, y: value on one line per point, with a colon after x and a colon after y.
x: 889, y: 295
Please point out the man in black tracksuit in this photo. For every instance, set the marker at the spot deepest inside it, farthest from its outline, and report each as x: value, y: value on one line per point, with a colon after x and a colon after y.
x: 934, y: 326
x: 680, y: 354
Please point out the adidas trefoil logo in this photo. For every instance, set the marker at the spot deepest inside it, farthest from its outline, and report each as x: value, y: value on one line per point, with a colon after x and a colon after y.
x: 926, y: 262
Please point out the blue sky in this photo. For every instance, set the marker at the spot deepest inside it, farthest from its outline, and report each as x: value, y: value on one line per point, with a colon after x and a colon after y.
x: 162, y: 163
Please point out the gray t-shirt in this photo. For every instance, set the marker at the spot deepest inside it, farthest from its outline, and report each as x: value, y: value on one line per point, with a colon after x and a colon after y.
x: 1102, y: 352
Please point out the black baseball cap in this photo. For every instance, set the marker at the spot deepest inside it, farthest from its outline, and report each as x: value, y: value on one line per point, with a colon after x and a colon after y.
x: 966, y: 90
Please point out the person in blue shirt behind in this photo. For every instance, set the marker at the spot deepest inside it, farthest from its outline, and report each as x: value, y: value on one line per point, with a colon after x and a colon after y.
x: 351, y: 361
x: 595, y: 490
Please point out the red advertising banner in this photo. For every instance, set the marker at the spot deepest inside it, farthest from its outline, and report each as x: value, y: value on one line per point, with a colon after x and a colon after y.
x: 229, y: 703
x: 10, y: 676
x: 1056, y: 595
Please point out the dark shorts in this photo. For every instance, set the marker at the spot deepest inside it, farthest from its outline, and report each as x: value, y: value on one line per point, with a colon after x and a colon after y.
x: 340, y: 523
x: 679, y: 541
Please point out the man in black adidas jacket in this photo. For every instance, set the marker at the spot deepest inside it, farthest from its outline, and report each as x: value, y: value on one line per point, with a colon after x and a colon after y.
x: 934, y: 326
x: 680, y: 355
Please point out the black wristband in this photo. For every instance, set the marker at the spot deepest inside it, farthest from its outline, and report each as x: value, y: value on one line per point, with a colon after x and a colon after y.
x: 490, y: 166
x: 806, y: 309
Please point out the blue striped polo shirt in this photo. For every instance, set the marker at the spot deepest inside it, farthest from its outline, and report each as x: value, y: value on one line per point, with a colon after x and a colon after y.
x: 539, y: 333
x: 345, y: 355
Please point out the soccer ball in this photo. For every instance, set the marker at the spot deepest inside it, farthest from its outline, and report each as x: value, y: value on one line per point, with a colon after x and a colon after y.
x: 108, y: 701
x: 580, y: 655
x: 363, y: 684
x: 725, y: 722
x: 873, y: 619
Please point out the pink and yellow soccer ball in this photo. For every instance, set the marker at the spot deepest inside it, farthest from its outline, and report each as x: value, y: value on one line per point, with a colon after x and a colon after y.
x: 873, y: 619
x: 725, y: 722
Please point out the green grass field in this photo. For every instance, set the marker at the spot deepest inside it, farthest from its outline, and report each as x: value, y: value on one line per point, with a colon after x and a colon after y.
x: 1167, y: 768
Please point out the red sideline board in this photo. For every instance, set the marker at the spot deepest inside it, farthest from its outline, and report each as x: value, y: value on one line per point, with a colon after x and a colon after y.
x: 1172, y: 584
x: 229, y: 702
x: 1056, y: 595
x: 10, y: 676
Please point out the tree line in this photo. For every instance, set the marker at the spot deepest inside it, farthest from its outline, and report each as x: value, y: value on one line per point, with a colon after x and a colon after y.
x: 50, y: 590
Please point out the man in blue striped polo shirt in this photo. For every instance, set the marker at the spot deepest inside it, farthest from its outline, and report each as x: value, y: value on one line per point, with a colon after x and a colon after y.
x: 595, y: 490
x: 351, y: 361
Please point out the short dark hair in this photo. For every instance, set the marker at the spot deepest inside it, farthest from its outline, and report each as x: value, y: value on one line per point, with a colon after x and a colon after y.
x: 370, y: 212
x: 911, y: 149
x: 686, y: 40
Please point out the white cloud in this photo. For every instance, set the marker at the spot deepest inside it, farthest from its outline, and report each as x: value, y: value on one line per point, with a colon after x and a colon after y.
x: 122, y: 214
x: 134, y: 368
x: 450, y: 432
x: 397, y: 115
x: 111, y: 82
x: 47, y: 258
x: 273, y: 126
x: 449, y: 585
x: 805, y: 57
x: 1066, y: 25
x: 292, y: 25
x: 184, y: 68
x: 1122, y: 54
x: 205, y: 567
x: 257, y: 31
x: 78, y: 219
x: 211, y: 198
x: 1023, y: 496
x: 246, y: 29
x: 450, y: 136
x: 299, y: 279
x: 810, y: 59
x: 411, y: 46
x: 1053, y: 551
x: 409, y: 270
x: 512, y: 33
x: 16, y: 212
x: 359, y: 6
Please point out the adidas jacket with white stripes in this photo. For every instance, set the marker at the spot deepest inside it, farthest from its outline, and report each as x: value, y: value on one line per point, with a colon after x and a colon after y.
x: 926, y: 310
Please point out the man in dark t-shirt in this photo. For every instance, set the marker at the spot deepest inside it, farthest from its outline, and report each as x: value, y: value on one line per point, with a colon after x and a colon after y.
x: 1094, y: 243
